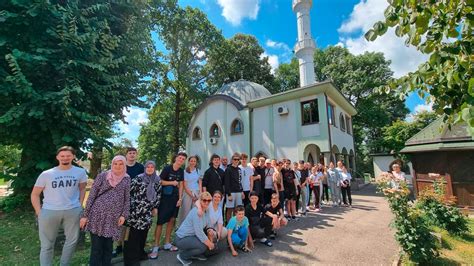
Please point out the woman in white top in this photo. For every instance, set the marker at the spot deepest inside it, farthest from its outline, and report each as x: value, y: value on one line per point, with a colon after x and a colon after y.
x: 346, y: 186
x: 216, y: 220
x: 192, y: 188
x: 316, y: 179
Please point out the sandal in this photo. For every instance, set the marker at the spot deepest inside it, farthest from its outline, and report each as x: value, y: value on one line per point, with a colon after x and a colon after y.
x: 170, y: 247
x: 245, y: 249
x: 154, y: 253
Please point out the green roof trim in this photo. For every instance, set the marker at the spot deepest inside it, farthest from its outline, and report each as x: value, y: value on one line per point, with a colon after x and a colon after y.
x: 451, y: 146
x: 437, y: 132
x: 321, y: 87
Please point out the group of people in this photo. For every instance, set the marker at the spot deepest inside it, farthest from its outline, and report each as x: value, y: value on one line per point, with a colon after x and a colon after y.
x: 238, y: 203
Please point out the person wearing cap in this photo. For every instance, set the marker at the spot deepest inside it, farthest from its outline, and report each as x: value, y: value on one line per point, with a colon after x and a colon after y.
x: 268, y: 181
x: 145, y: 192
x: 107, y: 208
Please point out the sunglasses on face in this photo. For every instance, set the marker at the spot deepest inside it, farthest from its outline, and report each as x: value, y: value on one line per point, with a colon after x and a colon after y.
x: 206, y: 200
x: 236, y: 159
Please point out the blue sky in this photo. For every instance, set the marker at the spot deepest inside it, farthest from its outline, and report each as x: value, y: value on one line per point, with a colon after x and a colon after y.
x: 273, y: 23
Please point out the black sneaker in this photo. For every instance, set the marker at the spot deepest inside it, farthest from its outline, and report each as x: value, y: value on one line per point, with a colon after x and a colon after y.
x: 183, y: 261
x: 117, y: 251
x: 201, y: 258
x: 272, y: 236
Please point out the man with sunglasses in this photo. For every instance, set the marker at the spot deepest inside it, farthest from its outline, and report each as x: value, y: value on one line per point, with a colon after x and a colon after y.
x: 233, y: 185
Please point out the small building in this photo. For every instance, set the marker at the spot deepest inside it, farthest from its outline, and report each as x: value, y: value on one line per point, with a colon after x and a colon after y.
x: 311, y: 123
x: 298, y: 124
x: 438, y: 151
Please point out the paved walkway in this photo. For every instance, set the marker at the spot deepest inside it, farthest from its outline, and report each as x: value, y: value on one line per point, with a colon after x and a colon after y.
x: 337, y: 236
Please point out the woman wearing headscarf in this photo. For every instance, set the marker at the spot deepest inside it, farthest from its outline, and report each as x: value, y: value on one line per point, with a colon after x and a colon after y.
x: 107, y: 208
x: 144, y: 200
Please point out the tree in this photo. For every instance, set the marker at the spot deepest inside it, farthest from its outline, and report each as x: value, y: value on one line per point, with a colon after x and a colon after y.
x: 287, y: 76
x: 396, y: 134
x: 442, y: 29
x: 9, y: 160
x: 357, y: 77
x: 240, y: 57
x: 67, y: 69
x: 180, y: 82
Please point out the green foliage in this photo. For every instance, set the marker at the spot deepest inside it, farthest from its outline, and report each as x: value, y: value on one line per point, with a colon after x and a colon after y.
x: 396, y: 134
x: 412, y: 231
x: 239, y: 57
x: 180, y: 81
x: 357, y: 76
x: 67, y: 69
x: 441, y: 212
x: 9, y: 160
x: 13, y: 202
x: 443, y: 30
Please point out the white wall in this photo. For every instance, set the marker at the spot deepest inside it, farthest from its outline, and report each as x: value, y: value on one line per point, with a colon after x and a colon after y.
x: 338, y: 137
x: 223, y: 114
x: 285, y: 131
x: 262, y: 141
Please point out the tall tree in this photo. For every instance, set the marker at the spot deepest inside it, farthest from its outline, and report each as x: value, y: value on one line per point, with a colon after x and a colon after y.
x: 442, y: 29
x: 180, y: 82
x: 357, y: 77
x: 287, y: 76
x: 67, y: 69
x: 240, y: 57
x: 396, y: 134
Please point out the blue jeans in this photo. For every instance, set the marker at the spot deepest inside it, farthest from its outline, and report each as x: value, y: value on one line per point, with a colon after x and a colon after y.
x: 239, y: 236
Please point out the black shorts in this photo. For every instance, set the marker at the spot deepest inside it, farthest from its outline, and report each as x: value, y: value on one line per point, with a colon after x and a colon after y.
x: 167, y: 209
x: 290, y: 194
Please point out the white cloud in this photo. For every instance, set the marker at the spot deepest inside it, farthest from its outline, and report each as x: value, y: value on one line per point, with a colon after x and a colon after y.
x: 235, y: 11
x: 364, y: 15
x: 134, y: 117
x: 418, y: 109
x: 277, y: 45
x: 423, y: 107
x: 272, y: 60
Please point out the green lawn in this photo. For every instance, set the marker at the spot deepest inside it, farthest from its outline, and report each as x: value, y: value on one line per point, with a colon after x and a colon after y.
x: 20, y: 243
x: 455, y: 250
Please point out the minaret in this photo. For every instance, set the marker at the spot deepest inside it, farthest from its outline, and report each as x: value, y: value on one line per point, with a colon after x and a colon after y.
x: 304, y: 47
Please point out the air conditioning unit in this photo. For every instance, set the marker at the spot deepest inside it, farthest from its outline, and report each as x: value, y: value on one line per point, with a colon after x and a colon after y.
x: 282, y: 110
x: 213, y: 141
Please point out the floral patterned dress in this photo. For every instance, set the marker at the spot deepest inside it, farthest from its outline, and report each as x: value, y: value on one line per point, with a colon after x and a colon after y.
x: 140, y: 207
x: 105, y: 205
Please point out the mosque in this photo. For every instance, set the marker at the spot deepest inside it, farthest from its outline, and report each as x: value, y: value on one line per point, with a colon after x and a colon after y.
x: 311, y: 123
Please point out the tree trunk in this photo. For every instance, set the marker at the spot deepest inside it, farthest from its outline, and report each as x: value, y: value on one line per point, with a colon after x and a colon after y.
x: 177, y: 112
x: 96, y: 162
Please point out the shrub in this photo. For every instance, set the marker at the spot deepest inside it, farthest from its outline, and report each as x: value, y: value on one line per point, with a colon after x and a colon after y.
x: 440, y: 211
x: 13, y: 202
x: 412, y: 232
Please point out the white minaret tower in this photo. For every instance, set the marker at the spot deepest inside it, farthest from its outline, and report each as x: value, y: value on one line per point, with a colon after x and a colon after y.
x: 304, y: 48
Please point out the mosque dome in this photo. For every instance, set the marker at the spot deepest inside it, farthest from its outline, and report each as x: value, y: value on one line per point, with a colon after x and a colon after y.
x: 243, y: 91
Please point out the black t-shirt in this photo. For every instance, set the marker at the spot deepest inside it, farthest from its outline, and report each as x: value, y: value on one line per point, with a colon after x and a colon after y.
x: 269, y: 208
x: 288, y: 178
x: 169, y: 174
x: 135, y: 170
x: 260, y: 171
x: 254, y: 215
x: 304, y: 175
x: 213, y: 180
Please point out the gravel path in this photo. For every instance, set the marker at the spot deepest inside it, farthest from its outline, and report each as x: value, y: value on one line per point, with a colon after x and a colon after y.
x: 337, y: 236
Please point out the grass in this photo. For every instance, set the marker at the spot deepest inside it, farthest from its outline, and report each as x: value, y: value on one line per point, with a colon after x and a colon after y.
x: 20, y: 243
x: 455, y: 250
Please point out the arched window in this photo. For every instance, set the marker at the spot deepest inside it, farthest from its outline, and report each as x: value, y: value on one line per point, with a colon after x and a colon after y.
x: 214, y: 132
x: 348, y: 125
x: 197, y: 133
x: 237, y: 127
x: 342, y: 122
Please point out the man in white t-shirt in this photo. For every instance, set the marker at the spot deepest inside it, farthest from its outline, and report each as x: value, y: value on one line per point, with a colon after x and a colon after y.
x: 63, y: 189
x: 247, y: 173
